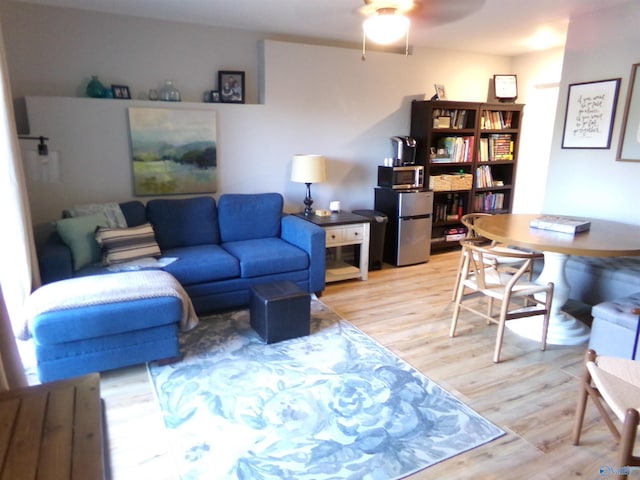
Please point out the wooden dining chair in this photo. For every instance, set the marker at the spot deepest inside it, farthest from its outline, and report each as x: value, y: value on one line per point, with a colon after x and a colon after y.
x: 615, y: 382
x: 481, y: 275
x: 502, y: 262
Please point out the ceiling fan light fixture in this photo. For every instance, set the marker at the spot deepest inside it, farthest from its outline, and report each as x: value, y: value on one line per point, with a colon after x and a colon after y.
x: 386, y: 26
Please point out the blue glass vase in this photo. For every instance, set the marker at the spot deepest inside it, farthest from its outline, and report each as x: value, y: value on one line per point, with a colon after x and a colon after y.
x: 95, y: 89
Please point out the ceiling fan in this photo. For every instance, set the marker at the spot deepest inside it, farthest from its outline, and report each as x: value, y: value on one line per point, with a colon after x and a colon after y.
x: 387, y: 21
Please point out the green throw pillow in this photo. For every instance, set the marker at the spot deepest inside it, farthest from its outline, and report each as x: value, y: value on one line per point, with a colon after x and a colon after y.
x: 79, y: 235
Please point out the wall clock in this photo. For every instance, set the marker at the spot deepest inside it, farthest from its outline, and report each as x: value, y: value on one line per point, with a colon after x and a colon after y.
x: 505, y: 87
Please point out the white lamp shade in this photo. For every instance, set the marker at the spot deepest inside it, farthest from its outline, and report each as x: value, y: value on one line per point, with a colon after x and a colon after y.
x: 308, y: 169
x: 385, y: 28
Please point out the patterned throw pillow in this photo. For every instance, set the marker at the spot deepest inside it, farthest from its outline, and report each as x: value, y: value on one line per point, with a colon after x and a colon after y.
x: 124, y: 244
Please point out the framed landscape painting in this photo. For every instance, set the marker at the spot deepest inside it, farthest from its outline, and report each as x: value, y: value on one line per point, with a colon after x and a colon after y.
x: 173, y: 151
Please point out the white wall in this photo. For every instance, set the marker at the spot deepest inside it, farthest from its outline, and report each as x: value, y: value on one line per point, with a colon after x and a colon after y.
x: 591, y: 182
x: 540, y: 75
x: 317, y: 99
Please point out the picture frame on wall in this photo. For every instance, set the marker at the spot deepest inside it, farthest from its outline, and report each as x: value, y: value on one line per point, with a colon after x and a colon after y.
x: 629, y: 147
x: 591, y: 109
x: 231, y: 86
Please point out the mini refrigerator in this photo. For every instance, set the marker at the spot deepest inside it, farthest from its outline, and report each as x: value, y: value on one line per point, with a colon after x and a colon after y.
x: 408, y: 237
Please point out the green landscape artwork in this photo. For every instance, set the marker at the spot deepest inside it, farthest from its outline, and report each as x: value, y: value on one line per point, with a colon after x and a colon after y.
x: 174, y: 151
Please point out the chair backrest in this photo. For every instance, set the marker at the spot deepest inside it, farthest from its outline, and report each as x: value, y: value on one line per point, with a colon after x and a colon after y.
x: 469, y: 221
x: 480, y: 263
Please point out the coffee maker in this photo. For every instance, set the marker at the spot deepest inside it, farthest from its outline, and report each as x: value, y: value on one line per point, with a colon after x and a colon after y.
x: 403, y: 150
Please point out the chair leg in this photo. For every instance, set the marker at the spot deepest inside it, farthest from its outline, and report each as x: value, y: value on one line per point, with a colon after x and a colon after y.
x: 456, y: 310
x: 501, y: 324
x: 629, y: 430
x: 458, y: 277
x: 545, y: 320
x: 585, y: 380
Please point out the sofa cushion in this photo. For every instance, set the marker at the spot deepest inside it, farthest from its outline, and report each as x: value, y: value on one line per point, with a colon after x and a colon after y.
x: 201, y: 263
x: 124, y: 244
x: 78, y: 233
x: 249, y: 216
x: 184, y: 222
x: 103, y: 320
x: 267, y: 256
x: 135, y: 213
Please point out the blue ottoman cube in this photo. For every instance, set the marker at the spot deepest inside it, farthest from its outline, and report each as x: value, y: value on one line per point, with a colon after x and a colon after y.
x: 280, y: 311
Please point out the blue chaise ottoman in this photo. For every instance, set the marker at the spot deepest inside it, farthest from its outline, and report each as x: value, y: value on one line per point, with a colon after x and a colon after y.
x: 97, y: 323
x: 616, y: 327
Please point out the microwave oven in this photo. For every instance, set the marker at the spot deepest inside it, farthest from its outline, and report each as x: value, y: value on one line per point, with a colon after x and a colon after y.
x: 405, y: 177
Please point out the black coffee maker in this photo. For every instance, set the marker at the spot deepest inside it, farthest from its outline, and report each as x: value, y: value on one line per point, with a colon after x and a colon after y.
x: 403, y: 151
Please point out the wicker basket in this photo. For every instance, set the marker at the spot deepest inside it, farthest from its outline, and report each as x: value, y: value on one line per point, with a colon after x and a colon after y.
x: 461, y: 181
x: 450, y: 181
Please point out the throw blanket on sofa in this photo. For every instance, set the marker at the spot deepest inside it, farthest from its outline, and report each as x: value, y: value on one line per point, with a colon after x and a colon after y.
x: 102, y: 289
x: 115, y: 217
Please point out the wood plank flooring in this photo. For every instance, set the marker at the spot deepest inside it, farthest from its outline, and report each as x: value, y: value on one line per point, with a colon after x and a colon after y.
x: 530, y: 394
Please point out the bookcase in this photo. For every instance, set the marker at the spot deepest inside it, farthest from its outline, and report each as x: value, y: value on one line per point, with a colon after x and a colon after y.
x: 470, y: 154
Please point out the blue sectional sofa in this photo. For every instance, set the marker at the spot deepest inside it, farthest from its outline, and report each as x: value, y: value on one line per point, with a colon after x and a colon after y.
x: 221, y: 248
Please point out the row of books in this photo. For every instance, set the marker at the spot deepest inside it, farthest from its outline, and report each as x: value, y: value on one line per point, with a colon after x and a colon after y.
x: 497, y: 146
x: 484, y: 177
x: 456, y: 149
x: 487, y: 202
x: 452, y: 210
x: 496, y: 120
x: 458, y: 117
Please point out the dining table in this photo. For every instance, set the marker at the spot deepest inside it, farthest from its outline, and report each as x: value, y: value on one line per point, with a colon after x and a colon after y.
x: 604, y: 238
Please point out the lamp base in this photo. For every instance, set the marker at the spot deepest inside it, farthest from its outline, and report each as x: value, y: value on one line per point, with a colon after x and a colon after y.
x: 308, y: 201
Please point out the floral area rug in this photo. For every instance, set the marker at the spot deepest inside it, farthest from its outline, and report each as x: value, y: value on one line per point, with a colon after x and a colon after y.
x: 332, y: 405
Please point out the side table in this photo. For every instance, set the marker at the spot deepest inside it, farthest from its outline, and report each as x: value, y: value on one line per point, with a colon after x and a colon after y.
x: 53, y: 431
x: 343, y: 229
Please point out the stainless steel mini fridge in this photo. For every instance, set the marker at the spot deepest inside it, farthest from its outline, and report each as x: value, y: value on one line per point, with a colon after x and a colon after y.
x: 408, y: 237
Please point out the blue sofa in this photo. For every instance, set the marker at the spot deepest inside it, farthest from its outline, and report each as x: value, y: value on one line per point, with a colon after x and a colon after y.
x: 222, y: 248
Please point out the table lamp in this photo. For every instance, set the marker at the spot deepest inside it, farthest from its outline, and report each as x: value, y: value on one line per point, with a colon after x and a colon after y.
x: 308, y: 169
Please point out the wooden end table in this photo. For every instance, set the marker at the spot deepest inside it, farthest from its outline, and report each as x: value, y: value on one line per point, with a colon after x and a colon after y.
x: 343, y: 229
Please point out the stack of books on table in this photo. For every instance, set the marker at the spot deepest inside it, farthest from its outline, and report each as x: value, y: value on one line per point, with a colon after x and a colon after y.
x: 560, y: 224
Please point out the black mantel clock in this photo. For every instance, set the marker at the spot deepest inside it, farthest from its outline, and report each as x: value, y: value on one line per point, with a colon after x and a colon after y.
x: 505, y: 87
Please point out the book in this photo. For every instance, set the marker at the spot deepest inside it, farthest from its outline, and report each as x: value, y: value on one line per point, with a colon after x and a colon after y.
x: 560, y: 224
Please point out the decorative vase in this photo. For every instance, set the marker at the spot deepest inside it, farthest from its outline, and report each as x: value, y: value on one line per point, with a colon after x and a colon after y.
x: 95, y: 89
x: 169, y: 93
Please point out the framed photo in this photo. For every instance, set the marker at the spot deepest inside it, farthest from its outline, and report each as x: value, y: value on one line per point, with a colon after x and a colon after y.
x: 629, y: 148
x: 591, y: 108
x: 231, y: 86
x: 440, y: 92
x: 505, y: 87
x: 121, y: 91
x: 214, y: 96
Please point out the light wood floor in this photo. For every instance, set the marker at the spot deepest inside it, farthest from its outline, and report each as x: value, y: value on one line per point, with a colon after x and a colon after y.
x: 530, y: 394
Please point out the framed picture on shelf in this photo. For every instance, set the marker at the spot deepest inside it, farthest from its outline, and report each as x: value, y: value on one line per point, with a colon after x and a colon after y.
x: 214, y: 96
x: 629, y: 148
x: 231, y: 86
x: 121, y: 91
x: 591, y: 108
x: 440, y: 92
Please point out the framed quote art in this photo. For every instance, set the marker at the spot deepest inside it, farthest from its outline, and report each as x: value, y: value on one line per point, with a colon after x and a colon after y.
x: 591, y: 108
x: 629, y: 149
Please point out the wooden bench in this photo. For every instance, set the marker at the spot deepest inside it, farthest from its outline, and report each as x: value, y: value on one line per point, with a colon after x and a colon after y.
x: 53, y: 431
